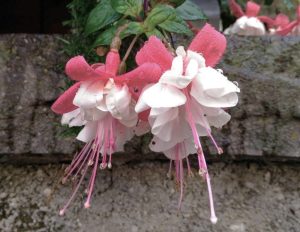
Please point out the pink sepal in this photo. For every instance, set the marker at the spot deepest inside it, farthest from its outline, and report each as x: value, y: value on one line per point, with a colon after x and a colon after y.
x: 252, y: 9
x: 64, y: 103
x: 154, y: 51
x: 236, y: 9
x: 112, y: 63
x: 79, y: 70
x: 210, y: 43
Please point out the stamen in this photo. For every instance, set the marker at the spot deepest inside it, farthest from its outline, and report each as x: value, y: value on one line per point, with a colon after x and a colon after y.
x: 190, y: 173
x: 62, y: 211
x: 201, y: 159
x: 169, y: 174
x: 181, y: 184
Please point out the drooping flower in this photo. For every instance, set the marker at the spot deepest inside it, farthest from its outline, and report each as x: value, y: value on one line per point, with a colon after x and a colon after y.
x: 293, y: 28
x: 248, y: 23
x: 276, y: 25
x: 104, y: 103
x: 187, y: 100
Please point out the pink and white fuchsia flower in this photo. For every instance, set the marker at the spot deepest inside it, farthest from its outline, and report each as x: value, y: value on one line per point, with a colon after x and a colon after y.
x: 247, y: 23
x: 187, y: 100
x: 104, y: 103
x: 281, y: 25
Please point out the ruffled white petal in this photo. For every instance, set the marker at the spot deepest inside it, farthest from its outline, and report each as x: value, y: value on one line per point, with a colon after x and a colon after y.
x: 93, y: 114
x: 181, y: 151
x: 175, y: 77
x: 123, y: 134
x: 180, y: 51
x: 73, y: 118
x: 198, y: 57
x: 177, y: 65
x: 161, y: 95
x: 119, y: 104
x: 89, y: 94
x: 247, y: 26
x: 141, y: 104
x: 212, y: 89
x: 88, y: 133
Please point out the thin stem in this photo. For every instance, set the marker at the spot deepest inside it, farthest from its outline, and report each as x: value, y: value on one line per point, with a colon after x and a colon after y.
x: 130, y: 48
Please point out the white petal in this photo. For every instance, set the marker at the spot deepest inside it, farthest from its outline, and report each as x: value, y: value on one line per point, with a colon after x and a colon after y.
x: 191, y: 69
x: 198, y: 57
x: 93, y: 114
x: 158, y: 145
x: 175, y: 130
x: 177, y: 65
x: 180, y: 51
x: 89, y: 94
x: 157, y: 111
x: 219, y: 120
x: 72, y: 118
x: 117, y: 101
x: 162, y: 95
x: 255, y: 27
x: 162, y: 125
x: 102, y: 105
x: 88, y: 133
x: 141, y: 104
x: 123, y: 134
x: 248, y: 26
x: 185, y: 149
x: 212, y: 89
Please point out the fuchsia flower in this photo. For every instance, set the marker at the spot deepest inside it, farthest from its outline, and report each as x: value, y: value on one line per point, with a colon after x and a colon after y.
x: 104, y: 103
x: 187, y: 100
x: 247, y: 23
x: 281, y: 25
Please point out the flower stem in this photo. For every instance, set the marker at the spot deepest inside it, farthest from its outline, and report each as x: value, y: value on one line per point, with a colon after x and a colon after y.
x: 130, y: 48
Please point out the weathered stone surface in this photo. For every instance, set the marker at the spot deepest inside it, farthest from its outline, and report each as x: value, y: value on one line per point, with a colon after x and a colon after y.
x: 138, y: 197
x: 266, y: 123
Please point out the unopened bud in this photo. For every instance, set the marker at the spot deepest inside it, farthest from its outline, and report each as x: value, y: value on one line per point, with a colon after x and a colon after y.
x: 101, y: 51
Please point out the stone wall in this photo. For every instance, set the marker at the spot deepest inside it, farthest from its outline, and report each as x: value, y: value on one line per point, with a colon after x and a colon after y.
x: 266, y: 123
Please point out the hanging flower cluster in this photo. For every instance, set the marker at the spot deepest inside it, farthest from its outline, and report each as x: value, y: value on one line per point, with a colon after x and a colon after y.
x: 250, y: 23
x: 180, y: 96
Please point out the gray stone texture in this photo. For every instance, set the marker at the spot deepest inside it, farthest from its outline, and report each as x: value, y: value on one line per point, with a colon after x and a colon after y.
x: 137, y: 196
x: 266, y: 122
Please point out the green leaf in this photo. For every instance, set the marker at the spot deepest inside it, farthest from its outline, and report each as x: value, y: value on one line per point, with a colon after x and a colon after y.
x: 176, y: 25
x: 190, y: 11
x: 175, y: 3
x: 128, y: 7
x: 133, y: 28
x: 157, y: 15
x: 166, y: 17
x: 102, y: 15
x: 106, y: 36
x: 156, y: 33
